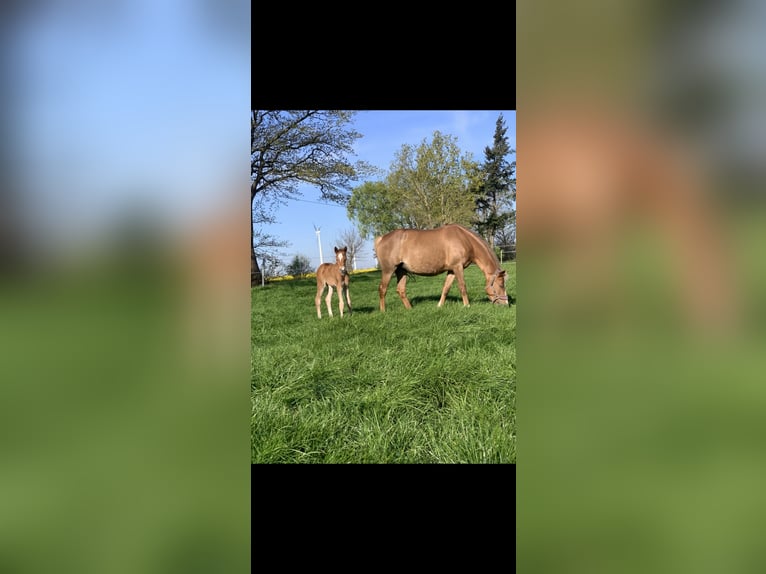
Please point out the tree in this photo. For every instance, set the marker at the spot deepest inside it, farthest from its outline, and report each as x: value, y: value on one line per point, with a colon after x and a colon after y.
x: 431, y: 183
x: 427, y: 186
x: 352, y: 239
x: 375, y: 210
x: 299, y: 266
x: 496, y: 194
x: 272, y: 265
x: 298, y: 146
x: 264, y: 245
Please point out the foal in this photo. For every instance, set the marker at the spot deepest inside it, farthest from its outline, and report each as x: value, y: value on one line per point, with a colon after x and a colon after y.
x: 333, y: 275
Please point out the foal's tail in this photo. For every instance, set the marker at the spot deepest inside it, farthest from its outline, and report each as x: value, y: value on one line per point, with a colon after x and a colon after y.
x: 375, y: 245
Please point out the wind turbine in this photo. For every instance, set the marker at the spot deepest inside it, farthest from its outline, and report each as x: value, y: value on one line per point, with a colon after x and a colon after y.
x: 317, y: 229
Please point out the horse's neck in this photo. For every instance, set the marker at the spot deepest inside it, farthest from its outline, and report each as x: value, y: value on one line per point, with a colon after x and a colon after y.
x: 484, y: 258
x: 337, y: 267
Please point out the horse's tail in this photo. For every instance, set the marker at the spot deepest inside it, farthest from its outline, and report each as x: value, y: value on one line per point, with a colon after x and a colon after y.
x: 376, y: 243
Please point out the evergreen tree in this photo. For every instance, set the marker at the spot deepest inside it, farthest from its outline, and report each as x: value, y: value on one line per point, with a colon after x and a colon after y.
x: 496, y: 194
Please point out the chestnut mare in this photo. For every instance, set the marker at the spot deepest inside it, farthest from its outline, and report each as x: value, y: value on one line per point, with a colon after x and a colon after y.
x: 333, y: 275
x: 450, y: 248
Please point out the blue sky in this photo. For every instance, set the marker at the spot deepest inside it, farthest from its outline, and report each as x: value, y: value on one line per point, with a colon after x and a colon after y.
x: 384, y: 133
x: 129, y: 104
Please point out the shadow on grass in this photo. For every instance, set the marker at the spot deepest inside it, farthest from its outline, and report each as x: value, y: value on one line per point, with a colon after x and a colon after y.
x: 419, y: 299
x: 455, y: 299
x: 365, y: 310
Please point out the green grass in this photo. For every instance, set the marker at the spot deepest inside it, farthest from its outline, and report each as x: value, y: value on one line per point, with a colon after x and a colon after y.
x: 426, y: 385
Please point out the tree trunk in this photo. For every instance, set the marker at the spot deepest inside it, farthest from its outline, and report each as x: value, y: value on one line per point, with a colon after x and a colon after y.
x: 255, y: 271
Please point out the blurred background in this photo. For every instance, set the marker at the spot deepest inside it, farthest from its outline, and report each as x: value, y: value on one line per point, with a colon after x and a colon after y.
x: 641, y: 156
x: 124, y: 310
x: 124, y: 306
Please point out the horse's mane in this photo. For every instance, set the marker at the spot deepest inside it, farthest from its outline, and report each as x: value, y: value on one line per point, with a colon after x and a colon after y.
x: 481, y: 244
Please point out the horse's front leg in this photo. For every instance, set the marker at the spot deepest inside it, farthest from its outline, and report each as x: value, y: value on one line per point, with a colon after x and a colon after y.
x: 458, y: 271
x: 318, y: 299
x: 447, y: 284
x: 328, y: 299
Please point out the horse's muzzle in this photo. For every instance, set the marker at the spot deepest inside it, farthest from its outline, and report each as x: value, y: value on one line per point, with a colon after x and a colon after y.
x: 502, y: 300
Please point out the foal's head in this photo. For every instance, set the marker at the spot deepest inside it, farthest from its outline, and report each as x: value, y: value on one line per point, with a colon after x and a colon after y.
x: 340, y: 259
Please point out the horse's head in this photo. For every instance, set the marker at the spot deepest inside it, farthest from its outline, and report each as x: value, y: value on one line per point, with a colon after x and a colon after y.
x: 496, y: 288
x: 340, y: 259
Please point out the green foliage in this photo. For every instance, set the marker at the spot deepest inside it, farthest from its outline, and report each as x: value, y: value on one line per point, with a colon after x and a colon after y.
x: 427, y: 186
x: 375, y: 209
x: 426, y: 385
x: 431, y: 183
x: 309, y: 146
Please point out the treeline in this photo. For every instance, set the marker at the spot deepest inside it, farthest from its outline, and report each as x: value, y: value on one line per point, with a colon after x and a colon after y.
x: 426, y: 186
x: 434, y: 183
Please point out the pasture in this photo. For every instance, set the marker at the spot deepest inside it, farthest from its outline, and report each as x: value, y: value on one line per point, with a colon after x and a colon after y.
x: 426, y: 385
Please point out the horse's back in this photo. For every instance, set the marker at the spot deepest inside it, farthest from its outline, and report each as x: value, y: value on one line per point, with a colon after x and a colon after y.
x: 424, y: 251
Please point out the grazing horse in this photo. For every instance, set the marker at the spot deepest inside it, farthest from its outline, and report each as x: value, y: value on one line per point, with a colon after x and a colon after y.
x: 333, y: 275
x: 450, y: 248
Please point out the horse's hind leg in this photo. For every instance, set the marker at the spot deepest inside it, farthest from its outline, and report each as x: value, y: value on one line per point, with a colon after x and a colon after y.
x: 328, y: 299
x: 401, y: 286
x: 384, y: 279
x: 447, y: 284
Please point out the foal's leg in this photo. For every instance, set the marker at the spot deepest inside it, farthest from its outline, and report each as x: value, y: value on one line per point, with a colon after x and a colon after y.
x: 401, y: 286
x: 328, y: 299
x: 348, y: 296
x: 458, y: 271
x: 318, y: 298
x: 447, y: 284
x: 340, y: 288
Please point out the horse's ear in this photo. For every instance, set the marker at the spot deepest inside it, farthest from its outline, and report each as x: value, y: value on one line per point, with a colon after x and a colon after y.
x: 500, y: 273
x: 336, y: 249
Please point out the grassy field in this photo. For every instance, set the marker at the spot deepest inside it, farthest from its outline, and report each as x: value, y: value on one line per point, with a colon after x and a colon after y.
x: 427, y: 385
